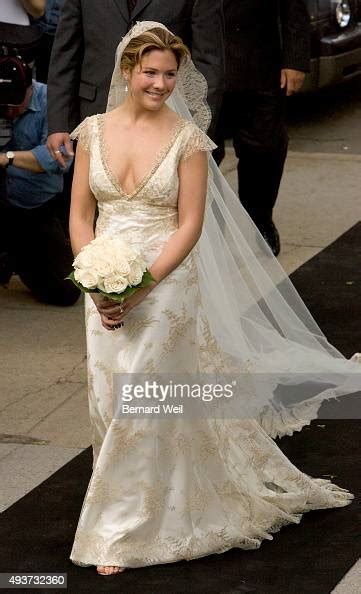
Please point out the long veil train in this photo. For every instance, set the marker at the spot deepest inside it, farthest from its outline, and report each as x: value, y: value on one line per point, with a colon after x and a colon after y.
x: 257, y: 319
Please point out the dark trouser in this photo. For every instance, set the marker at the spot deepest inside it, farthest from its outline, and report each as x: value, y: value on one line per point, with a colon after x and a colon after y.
x: 42, y: 57
x: 5, y: 265
x: 255, y: 120
x: 2, y: 185
x: 40, y: 252
x: 65, y: 198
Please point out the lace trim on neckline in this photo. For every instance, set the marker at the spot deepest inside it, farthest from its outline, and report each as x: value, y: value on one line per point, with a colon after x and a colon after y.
x: 160, y: 156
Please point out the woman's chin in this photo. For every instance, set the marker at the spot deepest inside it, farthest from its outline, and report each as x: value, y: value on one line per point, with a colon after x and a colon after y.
x: 153, y: 106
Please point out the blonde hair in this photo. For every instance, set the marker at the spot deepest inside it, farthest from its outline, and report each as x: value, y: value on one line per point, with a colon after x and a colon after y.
x: 154, y: 39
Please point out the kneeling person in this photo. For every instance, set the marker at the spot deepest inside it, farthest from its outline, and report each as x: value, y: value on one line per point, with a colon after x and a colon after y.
x: 36, y: 241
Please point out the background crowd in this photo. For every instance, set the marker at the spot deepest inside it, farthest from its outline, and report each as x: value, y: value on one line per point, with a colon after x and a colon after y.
x: 55, y: 69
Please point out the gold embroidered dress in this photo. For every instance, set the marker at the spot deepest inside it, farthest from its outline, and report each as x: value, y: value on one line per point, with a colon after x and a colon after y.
x: 167, y: 490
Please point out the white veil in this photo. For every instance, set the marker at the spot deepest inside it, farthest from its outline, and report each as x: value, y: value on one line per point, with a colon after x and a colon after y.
x: 258, y: 322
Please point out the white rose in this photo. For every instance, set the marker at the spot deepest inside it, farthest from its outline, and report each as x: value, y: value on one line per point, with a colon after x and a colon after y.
x: 127, y: 249
x: 129, y: 253
x: 124, y: 248
x: 87, y: 278
x: 121, y: 266
x: 141, y: 262
x: 135, y: 275
x: 84, y: 259
x: 105, y: 265
x: 114, y: 284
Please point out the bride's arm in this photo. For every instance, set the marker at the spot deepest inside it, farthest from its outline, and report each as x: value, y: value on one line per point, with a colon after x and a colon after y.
x: 193, y: 174
x: 82, y: 208
x: 81, y: 224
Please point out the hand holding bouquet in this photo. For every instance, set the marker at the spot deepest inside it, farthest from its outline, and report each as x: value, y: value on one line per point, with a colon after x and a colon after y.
x: 112, y: 267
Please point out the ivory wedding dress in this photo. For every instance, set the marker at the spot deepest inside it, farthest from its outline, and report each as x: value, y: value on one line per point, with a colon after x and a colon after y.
x: 166, y: 490
x: 177, y: 488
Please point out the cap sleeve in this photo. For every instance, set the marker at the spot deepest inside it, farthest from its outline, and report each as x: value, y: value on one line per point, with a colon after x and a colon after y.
x: 82, y: 134
x: 197, y: 141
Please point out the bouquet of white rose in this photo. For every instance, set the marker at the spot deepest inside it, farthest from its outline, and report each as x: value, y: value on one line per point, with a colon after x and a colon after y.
x: 111, y: 266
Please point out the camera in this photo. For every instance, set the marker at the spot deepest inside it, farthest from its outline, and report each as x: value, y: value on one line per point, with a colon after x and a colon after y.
x: 18, y: 46
x: 15, y: 78
x: 16, y: 51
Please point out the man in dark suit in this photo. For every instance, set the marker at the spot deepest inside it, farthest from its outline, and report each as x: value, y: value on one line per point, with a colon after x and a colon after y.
x: 267, y: 54
x: 83, y: 55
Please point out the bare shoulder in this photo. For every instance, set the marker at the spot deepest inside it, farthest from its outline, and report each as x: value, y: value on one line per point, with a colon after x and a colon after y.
x: 172, y: 119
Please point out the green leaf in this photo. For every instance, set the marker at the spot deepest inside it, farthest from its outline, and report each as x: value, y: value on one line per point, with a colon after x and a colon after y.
x: 147, y: 279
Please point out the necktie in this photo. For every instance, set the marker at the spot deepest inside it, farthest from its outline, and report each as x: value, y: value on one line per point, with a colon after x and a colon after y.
x: 131, y: 5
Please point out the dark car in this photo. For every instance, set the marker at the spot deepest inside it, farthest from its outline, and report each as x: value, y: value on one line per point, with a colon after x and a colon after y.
x: 336, y: 42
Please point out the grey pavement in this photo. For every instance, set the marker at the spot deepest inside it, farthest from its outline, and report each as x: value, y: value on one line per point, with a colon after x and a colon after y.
x: 43, y: 401
x: 328, y: 121
x: 351, y: 582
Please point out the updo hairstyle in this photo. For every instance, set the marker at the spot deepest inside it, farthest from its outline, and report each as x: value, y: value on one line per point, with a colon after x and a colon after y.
x: 154, y: 39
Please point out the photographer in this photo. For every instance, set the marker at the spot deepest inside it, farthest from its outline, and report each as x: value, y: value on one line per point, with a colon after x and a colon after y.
x: 37, y: 244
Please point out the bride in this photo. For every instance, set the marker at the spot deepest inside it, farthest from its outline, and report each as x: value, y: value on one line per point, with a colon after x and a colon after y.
x: 163, y: 490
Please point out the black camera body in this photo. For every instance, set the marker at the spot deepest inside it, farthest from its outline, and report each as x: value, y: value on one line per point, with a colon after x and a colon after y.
x: 17, y: 51
x: 15, y: 78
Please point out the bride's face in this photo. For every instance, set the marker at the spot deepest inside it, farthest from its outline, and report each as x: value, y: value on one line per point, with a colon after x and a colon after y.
x: 151, y: 82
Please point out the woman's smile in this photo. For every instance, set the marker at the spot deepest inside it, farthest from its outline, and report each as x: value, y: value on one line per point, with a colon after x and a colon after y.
x: 155, y: 93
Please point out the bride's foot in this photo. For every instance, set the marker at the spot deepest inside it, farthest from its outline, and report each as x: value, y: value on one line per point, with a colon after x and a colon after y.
x: 109, y: 570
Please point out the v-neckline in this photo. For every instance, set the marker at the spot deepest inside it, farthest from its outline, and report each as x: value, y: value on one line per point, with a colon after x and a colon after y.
x: 160, y: 156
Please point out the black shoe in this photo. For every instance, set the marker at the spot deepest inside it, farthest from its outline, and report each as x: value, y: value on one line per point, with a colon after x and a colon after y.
x: 270, y: 234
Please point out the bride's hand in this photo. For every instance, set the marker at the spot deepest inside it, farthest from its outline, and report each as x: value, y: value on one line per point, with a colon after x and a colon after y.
x: 108, y: 309
x: 105, y: 305
x: 112, y: 313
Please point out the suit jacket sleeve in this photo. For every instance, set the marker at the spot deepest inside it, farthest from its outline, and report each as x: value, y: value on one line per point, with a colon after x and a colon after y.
x: 208, y: 50
x: 64, y: 70
x: 296, y: 35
